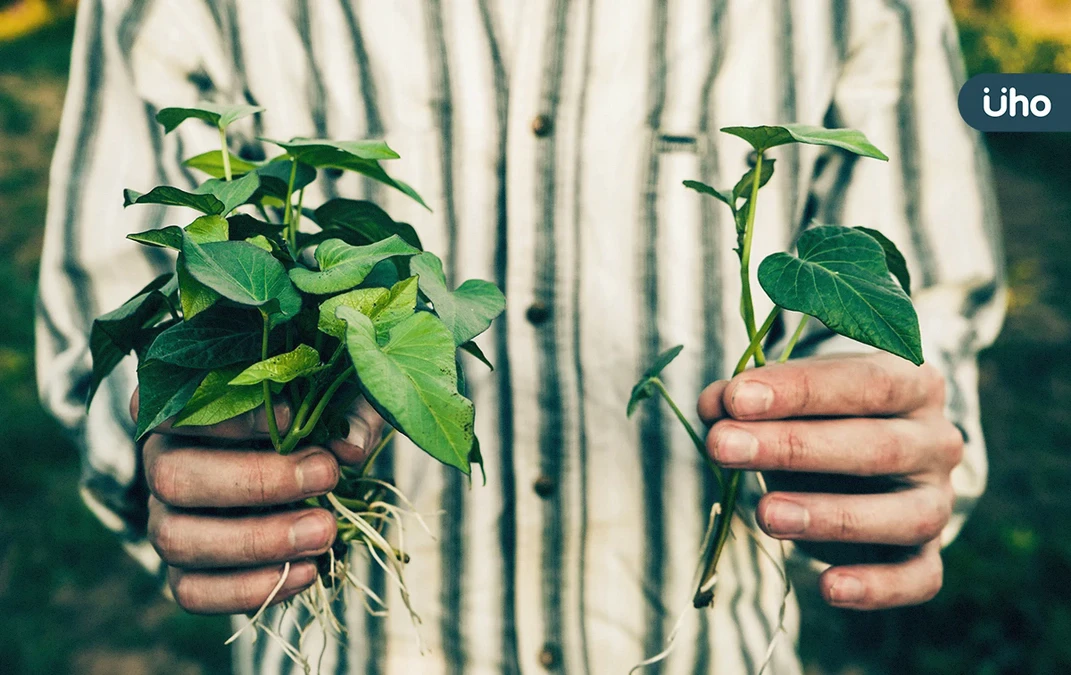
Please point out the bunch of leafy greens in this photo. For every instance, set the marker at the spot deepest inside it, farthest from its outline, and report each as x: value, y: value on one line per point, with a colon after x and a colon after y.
x: 853, y: 280
x: 249, y: 319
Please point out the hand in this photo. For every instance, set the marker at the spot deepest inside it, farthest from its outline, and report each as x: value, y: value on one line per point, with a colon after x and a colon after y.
x: 209, y: 485
x: 870, y: 415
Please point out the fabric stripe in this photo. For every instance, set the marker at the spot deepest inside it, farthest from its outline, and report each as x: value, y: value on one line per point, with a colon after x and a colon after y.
x: 453, y: 495
x: 909, y: 146
x: 369, y: 95
x: 653, y: 446
x: 508, y: 523
x: 551, y: 435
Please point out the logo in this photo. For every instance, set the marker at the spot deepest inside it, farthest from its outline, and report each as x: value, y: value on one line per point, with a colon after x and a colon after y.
x: 1028, y: 102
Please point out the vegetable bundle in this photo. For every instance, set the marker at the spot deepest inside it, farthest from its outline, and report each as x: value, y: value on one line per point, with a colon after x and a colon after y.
x: 259, y: 313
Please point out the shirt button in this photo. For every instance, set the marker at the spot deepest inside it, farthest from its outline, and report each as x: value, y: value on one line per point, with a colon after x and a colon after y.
x: 752, y: 159
x: 537, y: 313
x: 544, y: 486
x: 542, y: 125
x: 549, y: 658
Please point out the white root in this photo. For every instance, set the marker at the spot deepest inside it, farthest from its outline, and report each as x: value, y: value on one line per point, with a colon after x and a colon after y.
x: 260, y: 612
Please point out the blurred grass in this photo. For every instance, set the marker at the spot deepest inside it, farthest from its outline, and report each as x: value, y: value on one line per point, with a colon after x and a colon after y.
x: 72, y: 602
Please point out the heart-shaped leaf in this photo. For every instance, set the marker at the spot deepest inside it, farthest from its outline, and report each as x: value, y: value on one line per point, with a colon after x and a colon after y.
x: 241, y: 272
x: 894, y: 259
x: 231, y: 193
x: 121, y: 331
x: 841, y: 278
x: 343, y: 267
x: 301, y: 362
x: 165, y: 237
x: 474, y: 349
x: 763, y: 138
x: 208, y: 229
x: 221, y: 116
x: 645, y: 388
x: 360, y: 223
x: 386, y: 308
x: 215, y: 400
x: 166, y: 195
x: 745, y: 185
x: 210, y: 340
x: 195, y: 296
x: 163, y: 390
x: 469, y: 310
x: 412, y: 381
x: 275, y: 177
x: 211, y: 162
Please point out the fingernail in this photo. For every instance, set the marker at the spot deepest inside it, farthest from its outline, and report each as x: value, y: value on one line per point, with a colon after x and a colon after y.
x: 735, y: 446
x: 317, y: 473
x: 300, y: 576
x: 309, y: 533
x: 751, y: 398
x: 282, y: 419
x: 784, y: 517
x: 846, y: 590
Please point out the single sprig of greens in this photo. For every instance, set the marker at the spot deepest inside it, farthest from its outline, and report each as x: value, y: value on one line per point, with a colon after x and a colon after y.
x: 853, y: 280
x: 249, y: 320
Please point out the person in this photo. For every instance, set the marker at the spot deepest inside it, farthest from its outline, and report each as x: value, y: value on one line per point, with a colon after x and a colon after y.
x: 550, y: 138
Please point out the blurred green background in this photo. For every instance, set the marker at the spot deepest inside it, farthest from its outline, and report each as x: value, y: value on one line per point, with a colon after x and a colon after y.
x: 72, y: 602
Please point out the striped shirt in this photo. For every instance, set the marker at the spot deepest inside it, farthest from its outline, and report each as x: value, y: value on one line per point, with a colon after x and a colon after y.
x: 551, y: 138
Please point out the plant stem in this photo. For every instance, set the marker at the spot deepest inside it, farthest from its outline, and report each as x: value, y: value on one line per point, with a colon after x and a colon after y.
x: 704, y: 596
x: 746, y: 304
x: 226, y: 153
x: 699, y: 444
x: 303, y: 428
x: 795, y: 338
x: 756, y: 342
x: 367, y: 465
x: 289, y: 206
x: 269, y: 407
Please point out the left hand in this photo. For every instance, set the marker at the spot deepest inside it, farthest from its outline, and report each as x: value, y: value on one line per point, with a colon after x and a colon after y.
x: 859, y: 415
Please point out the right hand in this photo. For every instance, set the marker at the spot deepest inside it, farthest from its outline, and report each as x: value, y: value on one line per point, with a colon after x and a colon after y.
x: 224, y: 555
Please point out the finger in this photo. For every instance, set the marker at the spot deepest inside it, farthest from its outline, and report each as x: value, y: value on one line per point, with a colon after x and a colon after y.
x: 855, y: 446
x: 366, y: 426
x: 870, y: 587
x: 248, y: 425
x: 236, y: 592
x: 710, y: 407
x: 859, y: 385
x: 185, y: 476
x: 195, y: 541
x: 907, y: 518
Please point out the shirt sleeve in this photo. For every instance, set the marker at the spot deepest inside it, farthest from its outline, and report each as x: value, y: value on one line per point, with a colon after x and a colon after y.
x: 108, y: 140
x: 899, y: 84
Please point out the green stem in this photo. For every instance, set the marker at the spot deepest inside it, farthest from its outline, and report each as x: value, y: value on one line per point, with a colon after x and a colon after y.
x: 269, y: 407
x: 303, y: 428
x: 795, y: 338
x: 700, y: 446
x: 756, y: 342
x: 746, y: 303
x: 704, y: 596
x: 288, y: 207
x: 367, y: 465
x: 226, y: 153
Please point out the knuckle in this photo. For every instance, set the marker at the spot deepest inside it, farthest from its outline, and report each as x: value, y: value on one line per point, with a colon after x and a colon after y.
x: 793, y: 448
x: 847, y: 524
x: 934, y: 515
x: 892, y: 456
x: 802, y: 390
x: 934, y: 578
x: 164, y: 478
x: 164, y: 537
x: 256, y: 478
x: 185, y: 590
x: 951, y: 445
x: 933, y: 383
x: 879, y: 391
x: 253, y: 544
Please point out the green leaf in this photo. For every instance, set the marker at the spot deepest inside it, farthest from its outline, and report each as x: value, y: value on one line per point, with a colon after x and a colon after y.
x: 195, y: 296
x: 744, y: 186
x: 207, y: 229
x: 645, y: 388
x: 841, y: 278
x: 220, y: 116
x: 245, y: 274
x: 243, y: 226
x: 210, y: 340
x: 163, y: 390
x: 215, y: 400
x: 474, y: 349
x: 343, y: 267
x: 166, y: 237
x: 172, y: 196
x: 275, y: 177
x: 260, y: 241
x: 894, y: 259
x: 412, y: 382
x: 386, y: 308
x: 469, y: 310
x: 476, y: 458
x: 703, y: 188
x: 211, y: 162
x: 301, y: 362
x: 121, y: 331
x: 360, y: 223
x: 233, y: 193
x: 763, y: 138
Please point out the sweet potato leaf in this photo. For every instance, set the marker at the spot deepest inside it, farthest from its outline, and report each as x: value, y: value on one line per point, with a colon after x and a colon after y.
x: 343, y: 267
x: 360, y: 223
x: 243, y: 273
x: 210, y: 340
x: 894, y: 259
x: 467, y: 311
x: 221, y: 116
x: 163, y: 390
x: 300, y: 362
x: 215, y: 400
x: 763, y: 138
x: 645, y: 388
